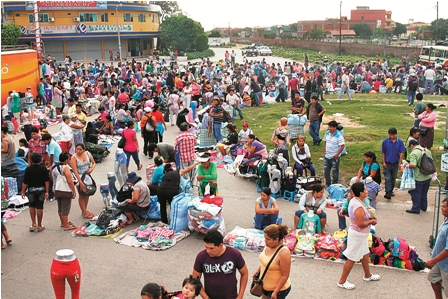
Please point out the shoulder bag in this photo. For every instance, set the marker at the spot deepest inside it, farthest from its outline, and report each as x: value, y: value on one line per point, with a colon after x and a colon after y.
x: 256, y: 288
x: 372, y: 211
x: 62, y: 189
x: 90, y: 184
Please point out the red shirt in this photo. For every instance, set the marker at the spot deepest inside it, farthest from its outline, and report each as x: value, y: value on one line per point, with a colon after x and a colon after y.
x: 293, y: 84
x: 376, y: 85
x: 158, y: 115
x: 123, y: 98
x: 130, y: 145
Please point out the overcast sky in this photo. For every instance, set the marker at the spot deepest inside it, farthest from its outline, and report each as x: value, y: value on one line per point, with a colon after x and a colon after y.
x: 250, y: 13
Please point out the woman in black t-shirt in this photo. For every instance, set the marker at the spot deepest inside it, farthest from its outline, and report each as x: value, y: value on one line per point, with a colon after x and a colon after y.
x: 36, y: 183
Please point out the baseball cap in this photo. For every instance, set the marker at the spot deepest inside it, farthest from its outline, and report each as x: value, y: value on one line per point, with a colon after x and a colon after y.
x: 147, y: 109
x: 245, y: 124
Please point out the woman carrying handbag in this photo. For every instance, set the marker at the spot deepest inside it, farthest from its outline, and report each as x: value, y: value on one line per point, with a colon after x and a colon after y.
x: 275, y: 264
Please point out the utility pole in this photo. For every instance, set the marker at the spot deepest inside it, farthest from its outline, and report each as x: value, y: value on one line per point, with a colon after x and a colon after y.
x: 437, y: 22
x: 340, y: 28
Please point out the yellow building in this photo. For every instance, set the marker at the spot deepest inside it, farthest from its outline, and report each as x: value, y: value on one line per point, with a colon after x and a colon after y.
x: 88, y: 28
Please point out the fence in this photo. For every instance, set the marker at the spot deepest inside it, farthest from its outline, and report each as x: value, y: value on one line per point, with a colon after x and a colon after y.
x: 332, y: 47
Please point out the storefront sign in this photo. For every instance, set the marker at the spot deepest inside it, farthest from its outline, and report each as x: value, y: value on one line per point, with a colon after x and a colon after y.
x: 108, y: 28
x: 29, y: 30
x: 52, y: 5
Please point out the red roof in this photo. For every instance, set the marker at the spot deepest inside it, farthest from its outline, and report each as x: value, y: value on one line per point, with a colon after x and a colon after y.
x: 343, y: 32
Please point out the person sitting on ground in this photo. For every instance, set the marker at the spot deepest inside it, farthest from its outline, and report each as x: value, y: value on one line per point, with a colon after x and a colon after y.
x: 313, y: 200
x: 163, y: 149
x: 266, y: 209
x: 369, y: 167
x: 107, y: 128
x: 255, y: 148
x: 232, y: 139
x: 244, y: 133
x: 207, y: 174
x: 157, y: 176
x: 140, y: 198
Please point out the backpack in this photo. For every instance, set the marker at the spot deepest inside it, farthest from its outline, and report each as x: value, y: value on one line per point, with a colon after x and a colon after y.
x: 427, y: 166
x: 124, y: 193
x: 149, y: 126
x: 106, y: 216
x: 413, y: 86
x: 226, y: 118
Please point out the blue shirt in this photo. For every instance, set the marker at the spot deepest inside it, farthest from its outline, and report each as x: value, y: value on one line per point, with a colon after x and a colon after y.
x: 333, y: 143
x: 392, y: 150
x: 441, y: 245
x: 54, y: 149
x: 157, y: 175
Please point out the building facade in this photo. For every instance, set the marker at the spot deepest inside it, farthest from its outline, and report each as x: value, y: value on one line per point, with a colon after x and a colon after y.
x: 304, y: 27
x: 88, y: 29
x: 365, y: 14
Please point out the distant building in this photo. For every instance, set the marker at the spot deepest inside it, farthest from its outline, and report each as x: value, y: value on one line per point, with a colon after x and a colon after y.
x: 344, y: 33
x: 304, y: 27
x: 88, y: 28
x: 365, y: 14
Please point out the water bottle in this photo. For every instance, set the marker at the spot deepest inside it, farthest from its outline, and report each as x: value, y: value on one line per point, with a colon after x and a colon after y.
x: 279, y: 220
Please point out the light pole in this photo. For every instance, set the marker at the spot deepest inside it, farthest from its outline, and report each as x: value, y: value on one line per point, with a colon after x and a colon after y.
x: 118, y: 29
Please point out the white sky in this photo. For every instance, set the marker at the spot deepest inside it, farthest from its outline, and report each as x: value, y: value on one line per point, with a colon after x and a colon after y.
x: 250, y: 13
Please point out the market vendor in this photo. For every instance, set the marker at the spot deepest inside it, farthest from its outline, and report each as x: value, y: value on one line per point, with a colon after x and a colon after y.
x: 207, y: 174
x: 140, y: 198
x: 266, y: 209
x: 314, y: 199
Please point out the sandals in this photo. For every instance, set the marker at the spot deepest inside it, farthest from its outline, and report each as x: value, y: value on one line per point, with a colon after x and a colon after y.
x: 140, y: 167
x: 88, y: 215
x: 71, y: 227
x: 39, y: 229
x: 8, y: 241
x: 69, y: 223
x: 33, y: 228
x: 347, y: 285
x: 373, y: 277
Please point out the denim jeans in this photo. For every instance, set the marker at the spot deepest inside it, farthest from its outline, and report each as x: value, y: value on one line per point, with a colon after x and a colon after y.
x: 390, y: 176
x: 263, y: 220
x: 411, y: 96
x: 420, y: 196
x: 344, y: 89
x: 300, y: 169
x: 417, y: 123
x: 430, y: 84
x: 257, y: 96
x: 217, y: 132
x: 134, y: 156
x: 331, y: 165
x: 112, y: 188
x: 341, y: 219
x: 314, y: 131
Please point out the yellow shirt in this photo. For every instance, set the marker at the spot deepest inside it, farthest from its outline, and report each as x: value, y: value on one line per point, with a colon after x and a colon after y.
x: 82, y: 118
x: 389, y: 83
x: 273, y: 275
x: 71, y: 110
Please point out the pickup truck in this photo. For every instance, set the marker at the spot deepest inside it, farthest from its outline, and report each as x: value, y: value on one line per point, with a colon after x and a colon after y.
x: 249, y: 51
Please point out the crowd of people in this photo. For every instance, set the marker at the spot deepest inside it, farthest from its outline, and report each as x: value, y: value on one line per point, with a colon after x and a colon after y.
x: 143, y: 97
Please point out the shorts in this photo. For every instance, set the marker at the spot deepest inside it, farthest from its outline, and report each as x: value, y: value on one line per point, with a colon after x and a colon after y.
x: 64, y: 205
x: 30, y: 107
x: 437, y: 275
x: 36, y: 199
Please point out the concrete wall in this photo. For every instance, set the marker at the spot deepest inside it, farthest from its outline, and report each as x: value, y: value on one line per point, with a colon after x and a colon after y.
x: 347, y: 48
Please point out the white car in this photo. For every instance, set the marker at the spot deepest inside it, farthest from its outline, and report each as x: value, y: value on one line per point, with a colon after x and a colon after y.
x: 394, y: 37
x: 263, y: 50
x: 214, y: 44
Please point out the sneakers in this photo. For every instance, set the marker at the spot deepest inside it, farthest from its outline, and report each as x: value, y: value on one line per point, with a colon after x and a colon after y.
x: 388, y: 196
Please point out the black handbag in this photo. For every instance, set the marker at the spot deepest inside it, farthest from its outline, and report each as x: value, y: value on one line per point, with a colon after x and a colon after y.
x: 122, y: 142
x: 423, y: 130
x: 90, y: 188
x: 256, y: 287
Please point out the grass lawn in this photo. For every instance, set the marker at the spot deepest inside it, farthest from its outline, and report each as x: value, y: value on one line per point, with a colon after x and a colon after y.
x: 367, y: 120
x: 297, y: 54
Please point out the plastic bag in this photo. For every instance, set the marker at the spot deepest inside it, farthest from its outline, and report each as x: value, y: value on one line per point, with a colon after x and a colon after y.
x: 407, y: 179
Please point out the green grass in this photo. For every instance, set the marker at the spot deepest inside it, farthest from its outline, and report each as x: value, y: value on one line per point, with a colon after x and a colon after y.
x: 376, y: 113
x: 313, y: 56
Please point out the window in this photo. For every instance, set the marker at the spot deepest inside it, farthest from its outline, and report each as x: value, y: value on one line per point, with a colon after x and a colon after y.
x: 128, y: 17
x: 362, y: 18
x: 141, y: 18
x: 43, y: 17
x: 88, y: 17
x: 104, y: 17
x: 152, y: 16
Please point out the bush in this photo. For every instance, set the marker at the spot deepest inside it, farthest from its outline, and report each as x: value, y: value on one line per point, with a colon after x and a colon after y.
x: 201, y: 43
x: 197, y: 54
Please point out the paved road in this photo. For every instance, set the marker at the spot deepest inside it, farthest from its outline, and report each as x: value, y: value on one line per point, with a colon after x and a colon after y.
x: 116, y: 271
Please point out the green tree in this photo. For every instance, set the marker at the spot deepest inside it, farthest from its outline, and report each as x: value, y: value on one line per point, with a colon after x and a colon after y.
x: 443, y: 30
x: 10, y: 34
x: 399, y: 29
x: 168, y: 8
x: 293, y: 27
x: 316, y: 33
x: 215, y: 33
x: 201, y: 42
x: 181, y: 33
x: 363, y: 30
x: 379, y: 32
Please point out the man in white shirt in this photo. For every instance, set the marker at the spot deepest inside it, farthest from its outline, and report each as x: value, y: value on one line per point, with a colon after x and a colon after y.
x: 345, y: 85
x: 234, y: 100
x: 429, y: 79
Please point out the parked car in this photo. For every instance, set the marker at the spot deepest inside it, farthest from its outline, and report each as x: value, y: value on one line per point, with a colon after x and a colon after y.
x: 256, y: 45
x: 214, y: 44
x: 264, y: 50
x: 249, y: 51
x: 394, y: 37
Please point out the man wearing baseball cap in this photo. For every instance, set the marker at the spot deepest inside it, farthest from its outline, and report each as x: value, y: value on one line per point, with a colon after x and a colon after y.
x: 216, y: 111
x: 243, y: 135
x: 148, y: 129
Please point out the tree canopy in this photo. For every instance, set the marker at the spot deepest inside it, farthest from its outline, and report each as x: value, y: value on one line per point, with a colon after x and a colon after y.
x: 399, y: 29
x: 362, y: 30
x: 215, y: 33
x: 183, y: 34
x: 169, y: 8
x: 379, y: 32
x: 443, y: 28
x: 10, y: 34
x: 316, y: 33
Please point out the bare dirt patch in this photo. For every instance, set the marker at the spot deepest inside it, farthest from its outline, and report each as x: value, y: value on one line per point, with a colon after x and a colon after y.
x: 344, y: 120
